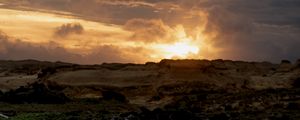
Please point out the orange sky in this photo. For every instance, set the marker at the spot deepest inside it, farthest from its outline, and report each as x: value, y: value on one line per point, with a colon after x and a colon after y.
x: 97, y: 31
x: 38, y: 28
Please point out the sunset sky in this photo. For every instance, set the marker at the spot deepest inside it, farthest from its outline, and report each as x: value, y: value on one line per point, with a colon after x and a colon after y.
x: 97, y: 31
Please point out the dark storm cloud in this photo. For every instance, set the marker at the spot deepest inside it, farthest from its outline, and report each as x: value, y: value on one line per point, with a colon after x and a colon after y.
x: 109, y: 11
x: 249, y: 30
x: 267, y: 11
x: 69, y: 28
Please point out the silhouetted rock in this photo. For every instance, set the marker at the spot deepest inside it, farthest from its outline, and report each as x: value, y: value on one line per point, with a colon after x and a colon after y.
x: 285, y: 66
x: 111, y: 95
x: 298, y: 63
x: 46, y: 71
x: 293, y: 106
x: 35, y: 93
x: 285, y: 62
x: 52, y: 85
x: 296, y: 83
x: 222, y: 116
x: 155, y: 98
x: 159, y: 114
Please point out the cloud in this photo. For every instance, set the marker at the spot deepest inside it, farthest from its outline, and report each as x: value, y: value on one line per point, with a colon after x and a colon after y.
x: 149, y: 31
x: 108, y: 11
x: 69, y: 28
x: 16, y: 49
x: 234, y: 29
x: 252, y: 31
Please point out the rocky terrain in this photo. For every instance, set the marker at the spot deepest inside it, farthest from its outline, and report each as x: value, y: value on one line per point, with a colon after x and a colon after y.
x: 170, y: 89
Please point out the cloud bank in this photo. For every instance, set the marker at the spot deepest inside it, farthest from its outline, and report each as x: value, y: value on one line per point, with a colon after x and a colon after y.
x: 16, y: 49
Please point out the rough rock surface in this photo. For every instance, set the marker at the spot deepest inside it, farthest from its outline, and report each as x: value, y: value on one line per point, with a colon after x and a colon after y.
x: 197, y: 88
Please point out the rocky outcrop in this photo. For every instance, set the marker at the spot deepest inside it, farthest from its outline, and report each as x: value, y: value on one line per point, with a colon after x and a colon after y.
x: 169, y: 77
x: 34, y: 93
x: 188, y: 89
x: 112, y: 95
x: 285, y: 66
x: 297, y: 65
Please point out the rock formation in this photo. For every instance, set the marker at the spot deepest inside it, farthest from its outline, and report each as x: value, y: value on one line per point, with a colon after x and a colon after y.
x: 213, y: 89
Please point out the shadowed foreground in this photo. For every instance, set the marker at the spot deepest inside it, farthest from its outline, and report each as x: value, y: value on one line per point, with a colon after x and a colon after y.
x: 170, y: 89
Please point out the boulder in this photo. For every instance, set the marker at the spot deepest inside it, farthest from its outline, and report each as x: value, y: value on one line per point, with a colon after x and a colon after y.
x: 34, y: 93
x: 112, y: 95
x: 298, y: 63
x: 285, y: 66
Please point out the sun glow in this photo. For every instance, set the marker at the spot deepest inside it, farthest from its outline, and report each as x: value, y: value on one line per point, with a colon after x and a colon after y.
x: 184, y: 47
x: 179, y: 50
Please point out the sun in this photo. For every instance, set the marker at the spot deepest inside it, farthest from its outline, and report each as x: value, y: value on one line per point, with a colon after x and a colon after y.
x: 180, y: 49
x: 185, y: 47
